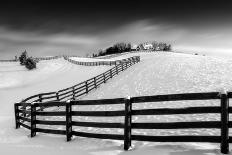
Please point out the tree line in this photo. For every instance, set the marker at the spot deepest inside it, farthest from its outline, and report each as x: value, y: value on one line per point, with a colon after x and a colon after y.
x: 127, y: 47
x: 116, y: 48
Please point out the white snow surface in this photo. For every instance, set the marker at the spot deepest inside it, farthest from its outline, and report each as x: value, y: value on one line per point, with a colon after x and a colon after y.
x: 157, y: 73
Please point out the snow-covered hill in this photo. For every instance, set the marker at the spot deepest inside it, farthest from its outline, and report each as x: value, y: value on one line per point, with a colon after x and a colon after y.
x: 166, y: 73
x: 157, y: 73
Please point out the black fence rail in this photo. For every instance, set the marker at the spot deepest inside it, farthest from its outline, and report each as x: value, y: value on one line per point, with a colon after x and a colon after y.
x: 223, y: 109
x: 48, y: 58
x: 36, y: 58
x: 132, y: 51
x: 105, y: 62
x: 13, y: 60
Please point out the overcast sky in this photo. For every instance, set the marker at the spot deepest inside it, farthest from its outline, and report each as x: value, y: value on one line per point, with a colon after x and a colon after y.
x: 52, y: 28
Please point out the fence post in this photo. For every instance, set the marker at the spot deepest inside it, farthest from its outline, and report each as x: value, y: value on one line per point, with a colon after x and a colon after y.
x: 57, y: 96
x: 95, y: 83
x: 33, y: 120
x: 110, y: 73
x: 16, y: 108
x: 68, y: 120
x: 122, y: 66
x: 41, y: 100
x: 127, y: 124
x: 117, y: 69
x: 104, y: 77
x: 133, y: 60
x: 224, y: 123
x: 73, y: 90
x: 86, y: 87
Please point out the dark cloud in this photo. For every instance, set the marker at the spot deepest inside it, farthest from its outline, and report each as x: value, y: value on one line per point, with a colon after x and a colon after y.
x: 54, y: 27
x: 97, y: 16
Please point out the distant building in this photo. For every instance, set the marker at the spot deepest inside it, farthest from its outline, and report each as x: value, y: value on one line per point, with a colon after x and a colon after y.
x: 134, y: 47
x: 144, y: 46
x: 147, y: 46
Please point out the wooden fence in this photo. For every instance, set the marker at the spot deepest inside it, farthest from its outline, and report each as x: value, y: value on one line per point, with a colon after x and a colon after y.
x: 37, y: 58
x: 124, y: 53
x: 224, y: 124
x: 98, y: 63
x: 80, y: 89
x: 148, y: 51
x: 48, y: 58
x: 13, y: 60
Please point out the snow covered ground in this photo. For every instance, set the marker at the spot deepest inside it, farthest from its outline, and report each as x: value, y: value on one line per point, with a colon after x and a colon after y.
x: 157, y: 73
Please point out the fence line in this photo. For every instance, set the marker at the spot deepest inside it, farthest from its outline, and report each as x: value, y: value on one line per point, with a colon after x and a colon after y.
x: 132, y: 51
x: 36, y: 58
x: 223, y: 109
x: 48, y: 58
x: 84, y: 87
x: 13, y: 60
x: 78, y: 90
x: 85, y: 63
x: 98, y: 63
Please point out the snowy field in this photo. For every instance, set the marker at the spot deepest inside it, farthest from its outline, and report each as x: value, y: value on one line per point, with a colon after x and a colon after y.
x: 157, y: 73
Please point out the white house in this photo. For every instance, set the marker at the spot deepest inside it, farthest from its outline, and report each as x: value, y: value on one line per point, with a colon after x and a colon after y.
x: 134, y: 47
x: 147, y: 46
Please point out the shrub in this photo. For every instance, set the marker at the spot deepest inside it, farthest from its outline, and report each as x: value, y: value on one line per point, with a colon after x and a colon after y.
x: 167, y: 48
x: 30, y: 63
x: 23, y: 58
